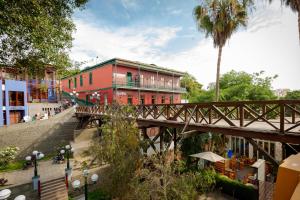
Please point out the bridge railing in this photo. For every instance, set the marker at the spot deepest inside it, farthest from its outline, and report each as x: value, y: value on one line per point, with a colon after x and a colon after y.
x: 278, y: 115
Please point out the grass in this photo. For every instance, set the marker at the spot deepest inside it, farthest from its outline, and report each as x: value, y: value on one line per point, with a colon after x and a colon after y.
x: 18, y: 164
x: 12, y: 166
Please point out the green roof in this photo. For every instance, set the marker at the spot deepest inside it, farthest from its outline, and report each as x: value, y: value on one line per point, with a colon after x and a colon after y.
x: 134, y: 64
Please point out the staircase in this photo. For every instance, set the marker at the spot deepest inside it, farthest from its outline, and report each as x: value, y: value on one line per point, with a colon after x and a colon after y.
x: 54, y: 190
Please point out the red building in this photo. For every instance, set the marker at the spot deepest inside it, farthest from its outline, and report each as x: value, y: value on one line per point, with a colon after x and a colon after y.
x: 126, y: 82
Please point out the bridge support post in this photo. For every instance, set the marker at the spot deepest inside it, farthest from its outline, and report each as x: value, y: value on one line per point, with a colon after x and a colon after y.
x: 144, y: 133
x: 161, y: 139
x: 175, y: 143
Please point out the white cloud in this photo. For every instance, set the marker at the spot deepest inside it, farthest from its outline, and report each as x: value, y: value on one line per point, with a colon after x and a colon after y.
x: 128, y: 4
x: 270, y: 43
x: 130, y: 43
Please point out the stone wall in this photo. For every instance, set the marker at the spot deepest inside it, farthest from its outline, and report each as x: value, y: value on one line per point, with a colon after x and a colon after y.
x: 42, y: 135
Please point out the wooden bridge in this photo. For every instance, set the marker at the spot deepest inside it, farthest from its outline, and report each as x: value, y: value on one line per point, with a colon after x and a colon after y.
x: 277, y: 120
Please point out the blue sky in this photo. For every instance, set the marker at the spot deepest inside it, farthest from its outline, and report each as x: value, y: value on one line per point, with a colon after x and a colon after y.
x: 164, y: 32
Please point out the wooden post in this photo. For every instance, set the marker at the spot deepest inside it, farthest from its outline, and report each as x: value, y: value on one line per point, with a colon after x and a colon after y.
x: 210, y: 116
x: 282, y: 115
x: 144, y: 133
x: 264, y: 110
x: 161, y: 139
x: 241, y: 111
x: 293, y: 114
x: 175, y: 143
x: 283, y: 146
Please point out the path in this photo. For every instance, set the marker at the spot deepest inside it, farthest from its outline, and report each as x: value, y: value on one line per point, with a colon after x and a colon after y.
x: 46, y: 170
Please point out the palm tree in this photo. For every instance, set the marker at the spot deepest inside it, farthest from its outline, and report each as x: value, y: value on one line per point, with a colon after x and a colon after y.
x: 219, y: 19
x: 295, y: 6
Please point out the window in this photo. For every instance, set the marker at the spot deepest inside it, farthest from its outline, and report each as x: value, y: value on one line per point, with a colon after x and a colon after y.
x: 153, y: 99
x: 171, y: 99
x: 141, y: 80
x: 16, y: 98
x: 75, y: 82
x: 142, y: 100
x: 91, y: 78
x: 129, y: 100
x: 81, y: 80
x: 163, y: 99
x: 152, y: 80
x: 69, y: 83
x: 129, y: 79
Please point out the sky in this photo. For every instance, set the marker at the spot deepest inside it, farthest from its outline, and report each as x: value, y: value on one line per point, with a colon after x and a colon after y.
x: 164, y: 32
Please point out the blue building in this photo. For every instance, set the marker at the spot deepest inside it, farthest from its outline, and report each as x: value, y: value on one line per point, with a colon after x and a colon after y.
x: 13, y: 101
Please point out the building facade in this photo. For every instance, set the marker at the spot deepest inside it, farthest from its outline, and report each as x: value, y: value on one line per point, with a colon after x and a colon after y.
x: 125, y: 82
x: 20, y: 92
x: 240, y: 146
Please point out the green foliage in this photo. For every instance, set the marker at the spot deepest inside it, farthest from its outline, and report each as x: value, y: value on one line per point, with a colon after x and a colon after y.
x: 236, y: 189
x: 220, y: 19
x: 158, y: 179
x: 293, y: 95
x: 119, y: 146
x: 36, y: 32
x: 237, y: 86
x: 11, y: 166
x: 192, y: 86
x: 98, y: 195
x: 205, y: 142
x: 205, y: 180
x: 7, y: 154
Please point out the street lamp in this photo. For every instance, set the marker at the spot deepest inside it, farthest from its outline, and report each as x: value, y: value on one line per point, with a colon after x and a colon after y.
x: 68, y: 150
x: 76, y: 183
x: 4, y: 194
x: 96, y: 96
x: 85, y: 175
x: 36, y: 155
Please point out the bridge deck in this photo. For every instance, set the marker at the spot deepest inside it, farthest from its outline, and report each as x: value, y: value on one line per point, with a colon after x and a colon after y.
x: 269, y: 120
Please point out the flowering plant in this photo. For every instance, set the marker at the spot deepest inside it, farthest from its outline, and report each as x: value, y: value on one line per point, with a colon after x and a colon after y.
x: 7, y: 154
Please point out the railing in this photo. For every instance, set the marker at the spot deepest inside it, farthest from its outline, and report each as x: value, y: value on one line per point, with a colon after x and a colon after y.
x: 136, y: 84
x: 282, y: 116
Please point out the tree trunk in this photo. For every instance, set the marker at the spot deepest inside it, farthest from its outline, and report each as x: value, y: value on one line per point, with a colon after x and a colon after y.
x: 299, y: 20
x: 218, y: 75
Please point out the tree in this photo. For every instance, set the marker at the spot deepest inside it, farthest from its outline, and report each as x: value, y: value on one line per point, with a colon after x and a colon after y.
x: 295, y: 6
x: 219, y: 19
x: 119, y: 146
x: 238, y: 86
x: 36, y: 32
x: 192, y: 86
x: 159, y: 180
x: 293, y: 95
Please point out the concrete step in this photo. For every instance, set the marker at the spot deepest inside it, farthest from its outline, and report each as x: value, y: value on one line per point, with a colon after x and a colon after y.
x: 54, y: 190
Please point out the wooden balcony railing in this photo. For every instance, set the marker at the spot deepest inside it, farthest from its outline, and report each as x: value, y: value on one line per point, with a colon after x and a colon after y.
x: 282, y: 116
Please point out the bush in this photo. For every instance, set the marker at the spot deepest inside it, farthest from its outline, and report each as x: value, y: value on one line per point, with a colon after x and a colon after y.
x: 7, y: 154
x: 236, y: 189
x: 99, y: 195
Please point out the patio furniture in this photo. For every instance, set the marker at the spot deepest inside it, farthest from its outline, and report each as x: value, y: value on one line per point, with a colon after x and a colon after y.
x: 208, y: 155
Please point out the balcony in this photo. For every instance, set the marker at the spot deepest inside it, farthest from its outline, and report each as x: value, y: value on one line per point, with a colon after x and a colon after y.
x: 135, y: 85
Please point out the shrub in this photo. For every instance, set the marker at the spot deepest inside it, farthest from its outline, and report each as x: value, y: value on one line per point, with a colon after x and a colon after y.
x: 7, y: 154
x: 236, y: 189
x: 99, y: 195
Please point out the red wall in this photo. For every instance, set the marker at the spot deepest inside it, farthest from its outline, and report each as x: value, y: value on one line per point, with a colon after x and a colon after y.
x: 102, y: 83
x: 122, y: 99
x: 102, y: 78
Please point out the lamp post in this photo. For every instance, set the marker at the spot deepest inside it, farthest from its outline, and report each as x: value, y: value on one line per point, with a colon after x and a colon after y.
x: 76, y: 183
x: 36, y: 155
x: 74, y: 94
x: 96, y: 96
x: 68, y: 170
x: 85, y: 174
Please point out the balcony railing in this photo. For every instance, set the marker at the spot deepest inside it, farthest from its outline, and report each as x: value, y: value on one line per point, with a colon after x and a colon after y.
x: 138, y: 85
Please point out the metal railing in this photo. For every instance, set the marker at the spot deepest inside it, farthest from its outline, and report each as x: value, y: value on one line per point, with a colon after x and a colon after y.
x: 138, y: 85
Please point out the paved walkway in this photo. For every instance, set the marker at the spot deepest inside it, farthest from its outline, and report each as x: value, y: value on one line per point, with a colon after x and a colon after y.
x: 46, y: 170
